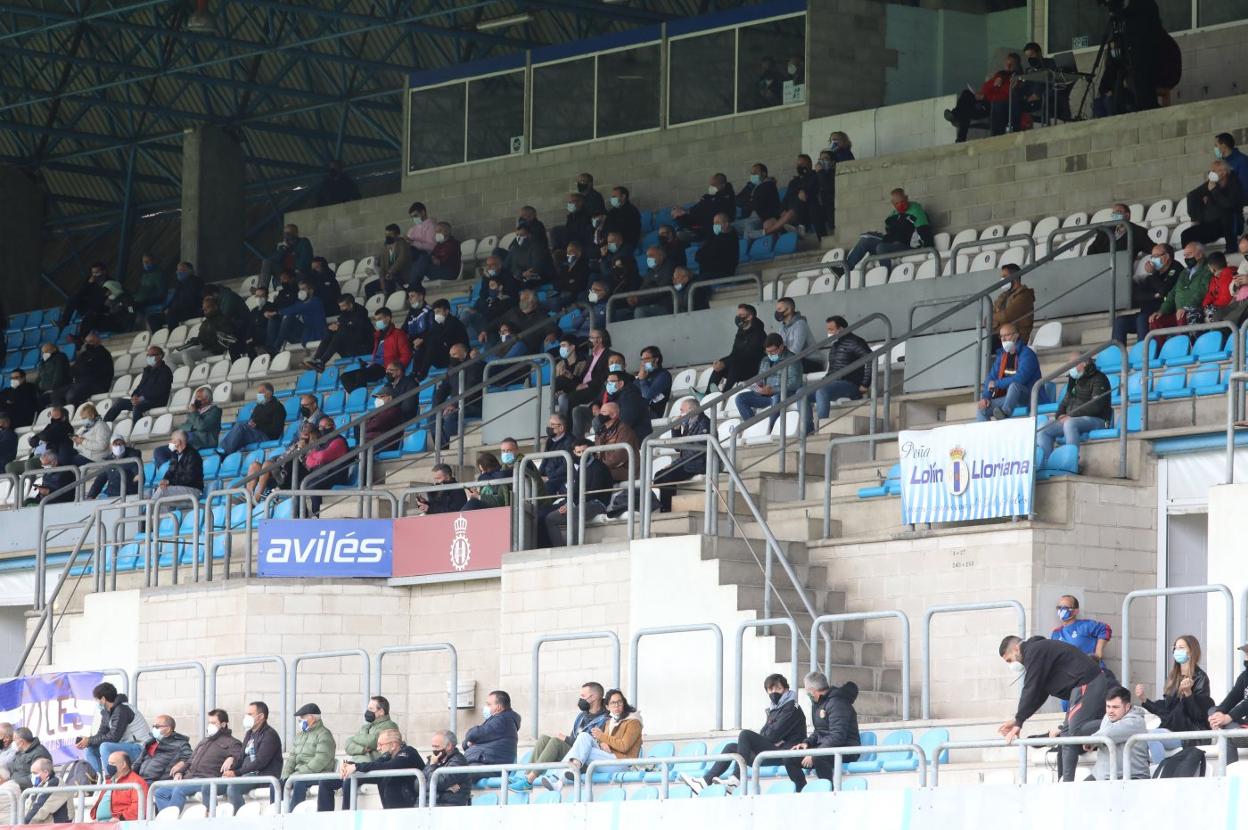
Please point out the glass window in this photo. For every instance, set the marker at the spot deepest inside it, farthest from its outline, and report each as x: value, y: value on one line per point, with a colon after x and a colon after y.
x: 437, y: 127
x: 1213, y: 12
x: 701, y: 71
x: 563, y: 102
x: 1078, y: 24
x: 495, y: 115
x: 771, y: 67
x: 628, y: 91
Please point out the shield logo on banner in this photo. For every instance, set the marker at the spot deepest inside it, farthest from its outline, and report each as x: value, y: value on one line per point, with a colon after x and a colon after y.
x: 958, y: 473
x: 461, y: 549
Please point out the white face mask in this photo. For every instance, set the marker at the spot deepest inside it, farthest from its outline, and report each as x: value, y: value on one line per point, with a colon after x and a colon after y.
x: 151, y: 360
x: 15, y: 383
x: 712, y: 190
x: 1016, y: 667
x: 303, y: 295
x: 212, y: 730
x: 378, y: 403
x: 439, y: 318
x: 248, y: 721
x: 1010, y: 346
x: 1213, y: 177
x: 485, y: 712
x: 118, y: 452
x: 46, y: 356
x: 592, y: 296
x: 173, y: 447
x: 792, y: 68
x: 439, y: 237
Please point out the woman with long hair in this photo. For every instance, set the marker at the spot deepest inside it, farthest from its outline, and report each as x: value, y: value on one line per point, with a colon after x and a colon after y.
x: 1186, y: 701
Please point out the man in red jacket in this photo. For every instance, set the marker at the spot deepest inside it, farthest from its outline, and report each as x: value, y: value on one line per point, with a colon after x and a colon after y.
x: 390, y: 345
x: 991, y: 102
x: 120, y: 805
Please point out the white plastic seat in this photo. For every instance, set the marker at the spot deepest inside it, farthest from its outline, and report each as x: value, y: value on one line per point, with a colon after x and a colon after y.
x: 833, y: 255
x: 1159, y: 234
x: 991, y: 233
x: 727, y: 427
x: 346, y: 270
x: 468, y: 251
x: 224, y: 809
x: 250, y: 809
x: 142, y: 429
x: 200, y: 373
x: 824, y: 284
x: 169, y: 813
x: 373, y: 303
x: 121, y: 363
x: 1014, y: 256
x: 122, y: 428
x: 180, y: 376
x: 162, y: 425
x: 1048, y: 336
x: 902, y: 273
x: 305, y: 806
x: 140, y: 342
x: 122, y: 386
x: 218, y: 371
x: 351, y: 286
x: 926, y: 270
x: 1160, y: 212
x: 878, y: 275
x: 1102, y: 215
x: 704, y: 378
x: 1019, y: 228
x: 177, y: 403
x: 1045, y: 227
x: 1180, y: 211
x: 249, y: 284
x: 259, y: 367
x: 281, y: 362
x: 1075, y: 220
x: 1176, y: 236
x: 984, y: 261
x: 223, y: 393
x: 507, y: 239
x: 104, y: 406
x: 774, y: 290
x: 684, y: 379
x: 486, y: 247
x: 42, y: 419
x: 790, y: 424
x: 160, y: 338
x: 1137, y: 212
x: 397, y: 301
x: 943, y: 241
x: 798, y: 288
x: 756, y: 433
x: 965, y: 237
x: 177, y: 337
x: 238, y: 369
x: 366, y: 267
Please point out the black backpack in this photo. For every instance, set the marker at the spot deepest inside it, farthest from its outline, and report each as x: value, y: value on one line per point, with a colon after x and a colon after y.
x: 1188, y: 762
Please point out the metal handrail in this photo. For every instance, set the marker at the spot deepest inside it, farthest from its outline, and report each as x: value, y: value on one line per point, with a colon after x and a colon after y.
x: 212, y: 785
x: 644, y: 292
x: 869, y: 259
x: 81, y: 790
x: 1214, y: 588
x: 665, y: 769
x: 1023, y: 744
x: 560, y: 638
x: 152, y: 539
x: 188, y: 665
x: 955, y: 609
x: 1222, y: 736
x: 449, y: 648
x: 838, y: 753
x: 630, y: 491
x: 698, y: 285
x: 365, y: 676
x: 44, y: 623
x: 370, y: 494
x: 102, y: 467
x: 1232, y: 384
x: 635, y: 660
x: 984, y: 244
x: 14, y: 491
x: 210, y: 529
x: 1236, y: 343
x: 353, y: 781
x: 534, y: 361
x: 739, y: 663
x: 521, y: 497
x: 900, y: 616
x: 476, y: 772
x: 259, y: 659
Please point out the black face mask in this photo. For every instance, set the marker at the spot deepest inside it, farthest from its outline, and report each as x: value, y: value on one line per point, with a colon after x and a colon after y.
x: 304, y: 411
x: 802, y: 171
x: 390, y: 240
x: 775, y: 697
x: 583, y: 705
x: 369, y: 716
x: 742, y: 322
x: 779, y: 316
x: 550, y: 434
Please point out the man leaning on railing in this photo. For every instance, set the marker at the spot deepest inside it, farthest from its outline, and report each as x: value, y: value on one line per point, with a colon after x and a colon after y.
x: 448, y: 790
x: 397, y: 792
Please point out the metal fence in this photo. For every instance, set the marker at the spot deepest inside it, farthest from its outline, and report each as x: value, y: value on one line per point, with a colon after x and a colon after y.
x: 838, y: 754
x: 635, y: 660
x: 956, y: 609
x: 610, y: 636
x: 665, y: 766
x: 831, y: 619
x: 1171, y: 592
x: 452, y: 691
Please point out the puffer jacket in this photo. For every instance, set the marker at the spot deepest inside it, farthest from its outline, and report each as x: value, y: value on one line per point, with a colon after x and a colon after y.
x: 156, y: 764
x: 494, y: 741
x: 362, y: 746
x: 312, y: 751
x: 122, y: 725
x: 96, y: 437
x: 833, y: 721
x: 845, y: 350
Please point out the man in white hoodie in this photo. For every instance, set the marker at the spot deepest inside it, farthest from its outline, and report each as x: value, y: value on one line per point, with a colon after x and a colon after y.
x: 1121, y: 721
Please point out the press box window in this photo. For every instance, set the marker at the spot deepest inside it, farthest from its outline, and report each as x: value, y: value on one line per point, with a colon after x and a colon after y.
x: 437, y: 127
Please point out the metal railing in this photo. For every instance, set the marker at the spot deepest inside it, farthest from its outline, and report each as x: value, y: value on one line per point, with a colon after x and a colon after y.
x: 838, y: 754
x: 1233, y: 382
x: 45, y: 624
x: 958, y: 608
x: 228, y: 531
x: 614, y: 300
x: 449, y: 648
x: 832, y: 619
x: 665, y: 766
x: 478, y: 771
x: 1235, y: 342
x: 283, y: 714
x: 534, y: 362
x: 1222, y: 736
x: 352, y: 782
x: 739, y: 660
x: 520, y: 501
x: 635, y: 660
x: 190, y: 665
x: 81, y: 790
x: 365, y: 675
x: 611, y: 636
x: 213, y: 787
x: 1023, y: 744
x: 703, y: 285
x: 629, y: 490
x: 154, y: 541
x: 1171, y: 592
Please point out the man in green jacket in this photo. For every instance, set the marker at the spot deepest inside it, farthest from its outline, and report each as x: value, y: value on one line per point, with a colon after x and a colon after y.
x: 202, y: 425
x: 1185, y: 302
x: 312, y: 750
x: 362, y: 749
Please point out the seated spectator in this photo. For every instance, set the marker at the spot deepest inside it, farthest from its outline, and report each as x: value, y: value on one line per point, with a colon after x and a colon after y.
x: 309, y: 412
x: 49, y: 488
x: 757, y: 202
x: 618, y: 737
x: 571, y: 277
x: 151, y: 391
x: 267, y: 423
x: 1218, y: 296
x: 1232, y: 712
x: 183, y: 301
x: 447, y: 790
x: 538, y: 235
x: 718, y: 257
x: 29, y: 751
x: 8, y: 441
x: 54, y: 374
x: 584, y: 377
x: 322, y: 471
x: 690, y: 458
x: 311, y: 751
x: 800, y: 208
x: 1121, y: 721
x: 528, y: 262
x: 696, y: 222
x: 553, y: 747
x: 92, y: 439
x: 833, y: 723
x: 618, y: 268
x: 747, y: 350
x: 118, y: 481
x: 185, y: 474
x: 847, y: 349
x: 324, y: 285
x: 577, y: 226
x: 451, y: 412
x: 123, y: 804
x: 907, y: 227
x: 117, y: 314
x: 121, y: 728
x: 56, y: 437
x: 654, y: 381
x: 202, y: 425
x: 1215, y: 206
x: 21, y: 400
x: 351, y: 335
x: 1015, y: 304
x: 783, y: 383
x: 276, y: 472
x: 1148, y: 292
x: 532, y: 328
x: 301, y: 321
x: 1184, y: 304
x: 47, y: 807
x: 1140, y: 244
x: 672, y: 245
x: 1186, y: 701
x: 658, y: 275
x: 420, y: 236
x: 153, y: 286
x: 554, y: 470
x: 254, y: 337
x: 610, y: 428
x: 214, y: 338
x: 90, y: 374
x: 394, y: 265
x: 596, y: 298
x: 442, y: 501
x: 784, y: 727
x: 1015, y: 369
x: 494, y: 740
x: 206, y: 761
x: 622, y: 217
x: 481, y: 317
x: 385, y: 421
x: 1000, y: 100
x: 293, y: 253
x: 261, y: 755
x: 391, y: 753
x: 484, y: 496
x: 163, y: 751
x: 445, y: 260
x: 618, y: 387
x: 682, y: 281
x: 390, y: 345
x: 795, y: 331
x: 599, y: 487
x: 402, y: 384
x: 10, y: 793
x: 1089, y: 636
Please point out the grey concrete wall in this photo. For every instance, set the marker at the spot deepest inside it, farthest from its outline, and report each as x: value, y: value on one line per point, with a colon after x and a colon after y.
x: 212, y: 203
x: 661, y: 169
x: 21, y: 238
x: 1058, y: 170
x: 846, y: 72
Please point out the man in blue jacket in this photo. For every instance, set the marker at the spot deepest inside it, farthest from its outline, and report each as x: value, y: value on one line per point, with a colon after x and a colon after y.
x: 1015, y: 369
x: 494, y: 741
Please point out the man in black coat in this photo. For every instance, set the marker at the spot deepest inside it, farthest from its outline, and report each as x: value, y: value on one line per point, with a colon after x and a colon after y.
x: 719, y: 255
x: 1141, y: 245
x: 1215, y: 205
x: 89, y: 300
x: 350, y: 336
x: 443, y: 501
x: 397, y: 793
x: 448, y: 790
x: 747, y: 351
x: 833, y: 723
x: 848, y: 348
x: 623, y: 217
x: 184, y: 302
x: 599, y: 486
x: 784, y: 727
x: 91, y: 372
x: 758, y: 201
x: 445, y: 332
x: 151, y: 391
x: 1161, y: 272
x: 20, y: 401
x: 165, y: 749
x: 696, y: 222
x: 452, y: 414
x: 691, y: 458
x: 185, y: 473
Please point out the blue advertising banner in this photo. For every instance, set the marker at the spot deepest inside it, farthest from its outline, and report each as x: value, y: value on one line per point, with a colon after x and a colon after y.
x: 58, y: 708
x: 332, y: 547
x: 967, y: 471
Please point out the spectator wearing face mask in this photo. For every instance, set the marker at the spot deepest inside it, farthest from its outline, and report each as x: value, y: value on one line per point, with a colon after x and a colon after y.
x: 619, y: 736
x: 121, y: 728
x: 1232, y: 712
x: 403, y: 383
x: 618, y: 267
x: 447, y: 790
x: 554, y: 470
x: 778, y: 384
x: 385, y: 420
x: 482, y: 316
x: 1140, y: 244
x: 390, y: 345
x: 599, y: 489
x: 571, y: 277
x: 1086, y: 406
x: 532, y: 329
x: 118, y: 481
x: 654, y: 381
x: 1015, y: 369
x: 151, y: 391
x: 183, y: 302
x: 1215, y: 206
x: 683, y: 281
x: 1184, y: 304
x: 215, y: 336
x: 393, y: 263
x: 1219, y: 295
x: 1089, y: 636
x: 267, y: 423
x: 747, y: 350
x: 350, y: 336
x: 324, y: 283
x: 907, y: 227
x: 610, y: 428
x: 658, y: 275
x: 444, y: 332
x: 293, y: 253
x: 206, y: 761
x: 584, y: 187
x: 793, y: 327
x: 578, y: 226
x: 301, y: 321
x: 528, y: 262
x: 163, y: 751
x: 618, y: 389
x: 800, y: 209
x: 21, y: 400
x: 8, y: 441
x: 1186, y: 701
x: 47, y: 807
x: 592, y: 715
x: 718, y: 257
x: 324, y: 449
x: 846, y: 349
x: 153, y: 284
x: 420, y: 236
x: 452, y: 410
x: 56, y: 437
x: 261, y: 754
x: 494, y: 740
x: 757, y: 202
x: 1148, y: 292
x: 88, y: 300
x: 123, y: 804
x: 390, y: 753
x: 1015, y: 304
x: 445, y: 260
x: 696, y: 222
x: 623, y: 217
x: 93, y: 436
x: 311, y: 751
x: 690, y: 458
x: 185, y: 474
x: 90, y: 374
x: 825, y: 170
x: 47, y: 489
x: 441, y: 501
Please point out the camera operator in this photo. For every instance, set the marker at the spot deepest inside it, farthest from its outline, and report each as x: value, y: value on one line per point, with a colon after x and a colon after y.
x: 1137, y: 55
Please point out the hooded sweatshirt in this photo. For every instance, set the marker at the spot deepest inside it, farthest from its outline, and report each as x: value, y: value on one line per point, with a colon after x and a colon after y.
x: 834, y: 721
x: 786, y: 722
x: 1132, y: 723
x: 796, y: 333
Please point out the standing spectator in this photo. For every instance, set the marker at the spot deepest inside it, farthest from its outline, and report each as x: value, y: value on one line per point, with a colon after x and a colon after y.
x: 1140, y: 244
x: 20, y: 401
x: 672, y: 245
x: 267, y: 423
x: 839, y: 150
x: 324, y: 285
x: 54, y: 374
x: 293, y: 253
x: 448, y: 790
x: 494, y: 740
x: 91, y: 373
x: 585, y: 189
x: 622, y: 217
x: 185, y: 473
x: 747, y: 350
x: 122, y: 729
x: 618, y: 737
x: 165, y: 750
x: 719, y: 255
x: 1085, y: 407
x: 350, y: 336
x: 783, y: 383
x: 30, y: 750
x: 261, y: 755
x: 690, y: 458
x: 590, y: 376
x: 397, y: 793
x: 1184, y: 304
x: 654, y: 381
x: 215, y: 335
x: 120, y: 805
x: 206, y: 761
x: 833, y: 723
x: 1121, y: 721
x: 847, y: 349
x: 1215, y: 206
x: 48, y: 807
x: 418, y: 322
x: 311, y: 751
x: 1186, y: 702
x: 420, y: 236
x: 151, y: 391
x: 183, y: 301
x: 696, y: 222
x: 1148, y: 292
x: 444, y: 261
x: 785, y: 726
x: 757, y: 202
x: 905, y: 228
x: 795, y: 331
x: 1224, y: 149
x: 553, y: 747
x: 1016, y: 304
x: 153, y: 285
x: 394, y: 264
x: 337, y: 187
x: 390, y: 345
x: 1015, y: 369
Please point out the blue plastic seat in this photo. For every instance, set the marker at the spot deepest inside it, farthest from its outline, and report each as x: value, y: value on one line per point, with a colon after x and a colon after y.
x: 485, y: 800
x: 677, y: 791
x: 413, y: 443
x: 328, y: 380
x: 230, y: 465
x: 1137, y: 384
x: 819, y: 785
x: 1176, y: 351
x: 743, y: 249
x: 928, y: 742
x: 357, y: 401
x: 785, y: 245
x: 852, y: 784
x: 1205, y: 381
x: 715, y: 791
x: 306, y: 384
x: 1210, y: 347
x: 761, y: 249
x: 645, y: 794
x: 335, y: 403
x: 1063, y: 461
x: 899, y: 736
x: 290, y: 405
x: 695, y: 768
x: 212, y: 463
x: 1172, y: 384
x: 891, y: 481
x: 1134, y: 424
x: 782, y: 788
x: 867, y: 761
x: 613, y: 794
x: 1135, y: 358
x: 244, y: 412
x: 545, y: 797
x: 662, y: 749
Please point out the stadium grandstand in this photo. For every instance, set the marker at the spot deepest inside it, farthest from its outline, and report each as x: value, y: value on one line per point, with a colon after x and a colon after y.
x: 393, y: 387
